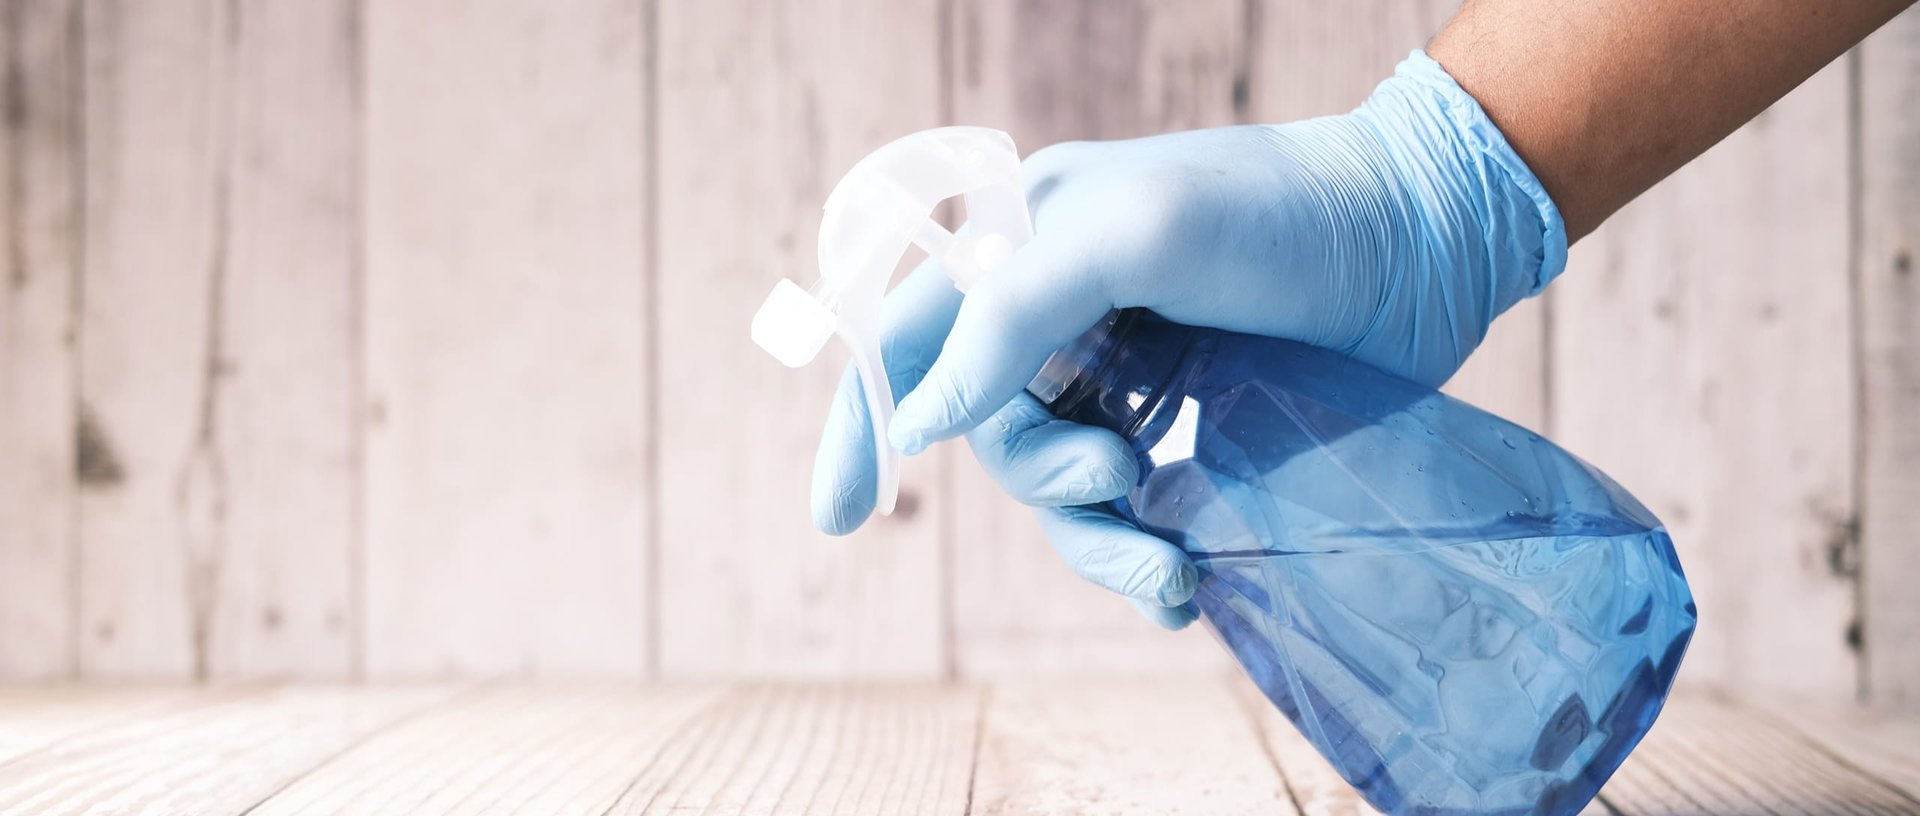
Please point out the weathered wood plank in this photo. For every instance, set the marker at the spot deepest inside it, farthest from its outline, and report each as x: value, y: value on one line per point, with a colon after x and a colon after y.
x: 1879, y: 741
x: 1315, y: 787
x: 1313, y: 784
x: 215, y: 532
x: 801, y: 749
x: 1093, y: 747
x: 157, y: 152
x: 1703, y: 358
x: 285, y: 364
x: 33, y: 717
x: 761, y: 109
x: 1319, y: 59
x: 538, y: 749
x: 217, y: 758
x: 38, y: 213
x: 1049, y: 72
x: 1705, y: 756
x: 1887, y: 303
x: 506, y: 345
x: 1507, y: 375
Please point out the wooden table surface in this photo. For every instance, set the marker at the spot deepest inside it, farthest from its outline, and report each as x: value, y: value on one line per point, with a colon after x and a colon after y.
x: 1202, y: 747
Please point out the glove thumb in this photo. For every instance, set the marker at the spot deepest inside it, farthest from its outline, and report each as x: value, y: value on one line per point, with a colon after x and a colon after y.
x: 1008, y: 324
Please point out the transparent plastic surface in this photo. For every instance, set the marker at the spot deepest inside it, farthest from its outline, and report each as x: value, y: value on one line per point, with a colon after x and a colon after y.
x: 880, y: 208
x: 1461, y: 616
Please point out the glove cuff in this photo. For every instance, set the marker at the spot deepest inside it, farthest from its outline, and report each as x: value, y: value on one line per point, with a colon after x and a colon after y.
x: 1474, y: 177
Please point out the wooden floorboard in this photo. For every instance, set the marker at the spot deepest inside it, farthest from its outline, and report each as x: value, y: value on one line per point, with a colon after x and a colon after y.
x: 1708, y: 756
x: 505, y: 750
x: 35, y: 717
x: 895, y: 749
x: 1070, y: 747
x: 223, y: 756
x: 1872, y: 742
x: 1203, y: 746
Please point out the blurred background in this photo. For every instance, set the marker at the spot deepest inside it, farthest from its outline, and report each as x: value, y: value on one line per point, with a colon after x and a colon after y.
x: 365, y: 339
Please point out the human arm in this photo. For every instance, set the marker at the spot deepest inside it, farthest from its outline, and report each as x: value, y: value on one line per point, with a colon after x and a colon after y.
x: 1604, y: 98
x: 1395, y: 234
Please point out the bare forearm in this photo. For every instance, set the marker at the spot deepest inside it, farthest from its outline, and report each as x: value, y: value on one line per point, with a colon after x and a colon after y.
x: 1603, y: 98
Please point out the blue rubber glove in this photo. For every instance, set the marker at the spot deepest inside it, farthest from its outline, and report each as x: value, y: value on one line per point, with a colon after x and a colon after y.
x: 1395, y: 234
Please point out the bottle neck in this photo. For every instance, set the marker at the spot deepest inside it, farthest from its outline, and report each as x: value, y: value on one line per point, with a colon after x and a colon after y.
x: 1068, y: 369
x: 1115, y: 374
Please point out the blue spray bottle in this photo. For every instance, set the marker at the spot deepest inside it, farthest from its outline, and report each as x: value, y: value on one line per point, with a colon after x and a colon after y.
x: 1462, y: 617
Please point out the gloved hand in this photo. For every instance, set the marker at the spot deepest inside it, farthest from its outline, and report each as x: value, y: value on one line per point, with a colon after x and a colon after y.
x: 1394, y: 234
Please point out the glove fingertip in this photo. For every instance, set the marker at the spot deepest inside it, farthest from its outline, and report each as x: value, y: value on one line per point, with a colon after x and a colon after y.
x: 1170, y: 618
x: 1179, y: 586
x: 837, y: 520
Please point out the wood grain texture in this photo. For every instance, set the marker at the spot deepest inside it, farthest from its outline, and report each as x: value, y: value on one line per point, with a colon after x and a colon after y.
x: 762, y: 107
x: 157, y: 148
x: 816, y: 749
x: 515, y: 749
x: 1196, y: 746
x: 214, y: 444
x: 1705, y: 756
x: 1887, y: 306
x: 39, y: 178
x: 1313, y: 785
x: 1879, y: 741
x: 506, y: 426
x: 284, y: 367
x: 1048, y: 72
x: 219, y: 757
x: 1093, y: 747
x: 33, y: 717
x: 1703, y: 358
x: 1320, y: 59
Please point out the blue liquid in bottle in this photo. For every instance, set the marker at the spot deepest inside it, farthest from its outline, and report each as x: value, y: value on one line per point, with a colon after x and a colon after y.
x: 1462, y: 617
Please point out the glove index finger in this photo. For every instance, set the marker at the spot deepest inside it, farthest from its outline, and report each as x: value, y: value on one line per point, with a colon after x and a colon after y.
x: 1042, y: 298
x: 914, y: 321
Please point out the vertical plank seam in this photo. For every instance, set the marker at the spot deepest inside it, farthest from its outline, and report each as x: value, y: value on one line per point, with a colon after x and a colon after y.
x: 203, y: 562
x: 1856, y: 352
x: 1253, y: 713
x: 15, y: 93
x: 650, y: 329
x: 1245, y: 63
x: 357, y: 386
x: 944, y: 530
x: 16, y: 260
x: 76, y: 292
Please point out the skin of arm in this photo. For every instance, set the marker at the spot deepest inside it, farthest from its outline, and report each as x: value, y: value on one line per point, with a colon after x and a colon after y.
x: 1604, y: 98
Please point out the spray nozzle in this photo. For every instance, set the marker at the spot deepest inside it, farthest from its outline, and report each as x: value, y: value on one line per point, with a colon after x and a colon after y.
x: 884, y: 205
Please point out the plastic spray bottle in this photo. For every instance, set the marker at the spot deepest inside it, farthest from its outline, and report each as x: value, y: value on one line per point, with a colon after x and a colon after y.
x: 1462, y: 617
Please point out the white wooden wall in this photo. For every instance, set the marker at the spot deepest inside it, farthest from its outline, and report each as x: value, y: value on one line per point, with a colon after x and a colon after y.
x: 345, y: 338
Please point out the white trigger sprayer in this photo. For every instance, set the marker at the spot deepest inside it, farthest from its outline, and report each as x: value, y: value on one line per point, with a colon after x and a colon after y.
x: 883, y: 205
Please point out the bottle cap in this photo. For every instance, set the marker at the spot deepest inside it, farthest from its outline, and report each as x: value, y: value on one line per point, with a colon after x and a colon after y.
x: 884, y: 205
